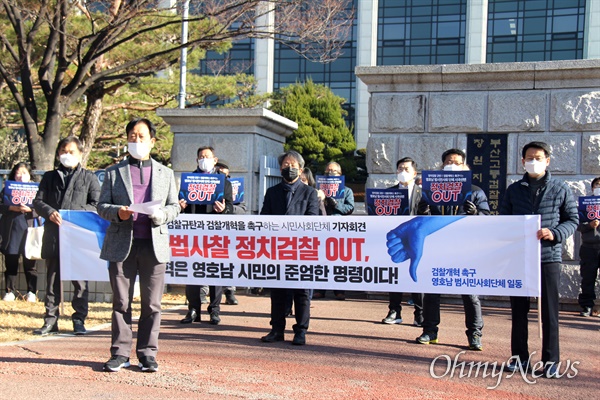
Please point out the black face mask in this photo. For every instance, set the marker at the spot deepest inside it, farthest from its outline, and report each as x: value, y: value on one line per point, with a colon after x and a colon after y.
x: 290, y: 174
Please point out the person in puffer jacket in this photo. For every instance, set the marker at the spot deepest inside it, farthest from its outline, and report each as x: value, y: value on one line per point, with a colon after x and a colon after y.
x: 538, y: 193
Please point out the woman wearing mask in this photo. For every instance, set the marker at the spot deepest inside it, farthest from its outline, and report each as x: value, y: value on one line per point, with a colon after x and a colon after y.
x: 13, y: 231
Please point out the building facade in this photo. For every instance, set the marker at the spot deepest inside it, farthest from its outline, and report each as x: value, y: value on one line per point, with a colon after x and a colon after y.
x: 427, y: 32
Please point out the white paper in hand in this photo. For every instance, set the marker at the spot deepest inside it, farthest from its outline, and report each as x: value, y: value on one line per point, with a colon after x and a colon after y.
x: 146, y: 208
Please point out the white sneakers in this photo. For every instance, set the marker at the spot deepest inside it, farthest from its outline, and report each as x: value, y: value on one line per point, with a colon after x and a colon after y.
x: 30, y: 297
x: 9, y: 296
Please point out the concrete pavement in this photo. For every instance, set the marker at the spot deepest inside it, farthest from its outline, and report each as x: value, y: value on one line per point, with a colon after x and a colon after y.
x: 349, y: 354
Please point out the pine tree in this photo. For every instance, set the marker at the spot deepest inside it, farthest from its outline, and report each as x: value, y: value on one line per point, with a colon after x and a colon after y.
x: 322, y: 134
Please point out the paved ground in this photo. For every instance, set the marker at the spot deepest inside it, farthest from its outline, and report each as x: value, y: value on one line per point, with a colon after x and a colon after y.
x: 349, y: 355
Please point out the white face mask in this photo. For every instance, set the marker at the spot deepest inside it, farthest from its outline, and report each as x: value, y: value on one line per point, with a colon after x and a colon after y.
x: 23, y: 178
x: 405, y: 177
x: 69, y: 160
x: 453, y: 167
x: 597, y: 192
x: 535, y: 168
x: 206, y: 164
x: 139, y: 151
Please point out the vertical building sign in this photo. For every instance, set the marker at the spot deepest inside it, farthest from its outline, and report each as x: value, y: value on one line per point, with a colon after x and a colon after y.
x: 486, y: 155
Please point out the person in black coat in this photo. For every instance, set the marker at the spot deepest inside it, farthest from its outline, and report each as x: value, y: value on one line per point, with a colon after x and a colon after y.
x: 475, y: 204
x: 69, y: 187
x: 206, y: 165
x: 589, y: 256
x: 13, y: 232
x: 406, y: 169
x: 290, y: 197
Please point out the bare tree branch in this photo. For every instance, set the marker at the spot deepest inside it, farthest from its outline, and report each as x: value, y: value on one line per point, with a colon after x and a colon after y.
x: 67, y: 47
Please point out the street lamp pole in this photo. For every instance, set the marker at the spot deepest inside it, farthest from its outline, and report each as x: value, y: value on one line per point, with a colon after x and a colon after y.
x: 183, y: 63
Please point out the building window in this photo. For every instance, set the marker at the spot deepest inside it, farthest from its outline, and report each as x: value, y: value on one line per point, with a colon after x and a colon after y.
x: 289, y: 68
x: 535, y: 30
x: 415, y: 32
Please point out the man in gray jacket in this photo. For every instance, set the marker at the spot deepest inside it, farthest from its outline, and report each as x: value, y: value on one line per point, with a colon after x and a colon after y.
x: 137, y: 244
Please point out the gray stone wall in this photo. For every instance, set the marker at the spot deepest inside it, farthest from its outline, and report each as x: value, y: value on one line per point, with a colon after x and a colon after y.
x: 240, y: 137
x: 420, y: 111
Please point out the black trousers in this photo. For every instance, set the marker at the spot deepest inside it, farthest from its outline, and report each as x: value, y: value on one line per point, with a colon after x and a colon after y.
x: 588, y: 269
x: 473, y: 317
x: 53, y: 298
x: 520, y: 308
x: 12, y: 269
x: 301, y: 311
x: 192, y: 294
x: 143, y: 263
x: 396, y: 304
x: 335, y: 292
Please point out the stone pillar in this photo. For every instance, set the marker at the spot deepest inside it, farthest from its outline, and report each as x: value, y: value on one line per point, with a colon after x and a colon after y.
x: 591, y: 40
x: 366, y: 55
x: 264, y: 49
x: 476, y: 36
x: 240, y: 137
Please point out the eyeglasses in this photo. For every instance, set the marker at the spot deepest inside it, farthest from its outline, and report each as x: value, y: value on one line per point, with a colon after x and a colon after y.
x: 449, y: 162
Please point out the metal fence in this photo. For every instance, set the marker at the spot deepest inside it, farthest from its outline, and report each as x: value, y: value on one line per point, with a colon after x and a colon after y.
x: 4, y: 175
x: 269, y: 175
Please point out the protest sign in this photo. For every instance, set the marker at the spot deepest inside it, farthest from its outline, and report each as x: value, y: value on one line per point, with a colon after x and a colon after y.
x: 446, y: 188
x: 20, y: 193
x: 202, y: 188
x: 237, y: 188
x: 332, y: 186
x: 387, y: 202
x: 589, y: 208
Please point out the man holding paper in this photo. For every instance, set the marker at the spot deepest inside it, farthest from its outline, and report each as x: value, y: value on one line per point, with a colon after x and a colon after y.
x: 137, y: 244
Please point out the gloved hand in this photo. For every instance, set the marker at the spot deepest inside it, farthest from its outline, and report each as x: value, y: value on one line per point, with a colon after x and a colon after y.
x: 330, y: 202
x: 158, y: 217
x: 469, y: 207
x: 423, y: 208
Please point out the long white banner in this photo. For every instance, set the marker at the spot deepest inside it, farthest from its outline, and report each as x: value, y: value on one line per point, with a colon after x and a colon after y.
x: 492, y: 255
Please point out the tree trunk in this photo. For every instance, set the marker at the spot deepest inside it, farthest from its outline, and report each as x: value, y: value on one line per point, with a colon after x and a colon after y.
x: 91, y: 120
x: 43, y: 147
